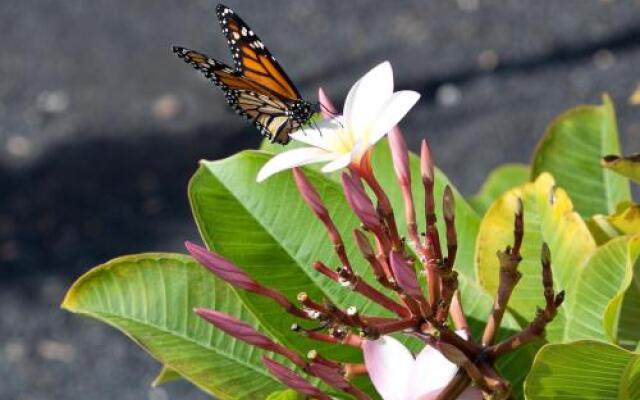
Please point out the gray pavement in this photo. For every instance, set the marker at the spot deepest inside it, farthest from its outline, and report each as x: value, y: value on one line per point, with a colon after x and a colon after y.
x: 101, y: 127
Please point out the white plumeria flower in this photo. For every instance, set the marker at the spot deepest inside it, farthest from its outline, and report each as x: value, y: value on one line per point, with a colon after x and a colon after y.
x: 370, y: 111
x: 396, y: 375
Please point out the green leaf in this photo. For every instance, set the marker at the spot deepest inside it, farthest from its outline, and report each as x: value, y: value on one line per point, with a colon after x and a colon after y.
x: 288, y: 394
x: 165, y: 375
x: 500, y: 180
x: 149, y: 297
x: 571, y: 150
x: 626, y: 166
x: 628, y: 334
x: 586, y: 370
x: 556, y: 224
x: 595, y: 303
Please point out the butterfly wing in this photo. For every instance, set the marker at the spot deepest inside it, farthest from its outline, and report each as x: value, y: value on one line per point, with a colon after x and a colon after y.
x: 267, y: 112
x: 251, y: 57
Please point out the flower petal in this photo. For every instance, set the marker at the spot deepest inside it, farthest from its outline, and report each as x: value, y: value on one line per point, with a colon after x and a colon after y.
x: 293, y: 158
x: 324, y: 136
x: 432, y: 371
x: 340, y: 162
x: 389, y: 365
x: 367, y: 98
x: 471, y: 393
x: 393, y: 111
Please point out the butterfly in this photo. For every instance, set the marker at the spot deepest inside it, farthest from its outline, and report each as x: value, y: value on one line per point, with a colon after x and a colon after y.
x: 257, y: 88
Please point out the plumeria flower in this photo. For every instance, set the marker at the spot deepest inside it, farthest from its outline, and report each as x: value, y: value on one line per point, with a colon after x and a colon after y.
x: 372, y: 108
x: 396, y: 375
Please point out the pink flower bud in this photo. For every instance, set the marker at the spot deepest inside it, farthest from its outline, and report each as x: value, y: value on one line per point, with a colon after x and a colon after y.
x: 233, y: 275
x: 327, y: 107
x: 237, y: 329
x: 221, y: 267
x: 405, y: 275
x: 330, y: 375
x: 363, y: 244
x: 448, y: 204
x: 309, y: 194
x: 360, y: 203
x: 426, y: 163
x: 400, y: 155
x: 293, y: 380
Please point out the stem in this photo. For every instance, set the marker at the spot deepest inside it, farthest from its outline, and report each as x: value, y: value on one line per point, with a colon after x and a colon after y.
x: 433, y: 257
x: 351, y: 370
x: 536, y: 328
x: 457, y: 314
x: 364, y: 289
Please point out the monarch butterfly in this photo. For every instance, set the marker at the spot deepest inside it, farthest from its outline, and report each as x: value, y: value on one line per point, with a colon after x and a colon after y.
x: 258, y: 88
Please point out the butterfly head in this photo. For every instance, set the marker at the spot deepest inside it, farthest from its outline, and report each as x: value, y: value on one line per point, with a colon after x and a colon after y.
x: 301, y: 111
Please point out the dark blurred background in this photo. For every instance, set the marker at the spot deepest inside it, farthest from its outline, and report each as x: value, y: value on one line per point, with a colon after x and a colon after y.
x: 101, y: 127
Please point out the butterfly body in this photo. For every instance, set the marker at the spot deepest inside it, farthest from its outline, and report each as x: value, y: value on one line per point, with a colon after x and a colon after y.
x: 257, y: 88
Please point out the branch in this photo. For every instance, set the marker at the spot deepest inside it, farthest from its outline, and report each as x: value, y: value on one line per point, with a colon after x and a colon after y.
x: 360, y: 286
x: 509, y: 277
x: 433, y: 258
x: 535, y: 330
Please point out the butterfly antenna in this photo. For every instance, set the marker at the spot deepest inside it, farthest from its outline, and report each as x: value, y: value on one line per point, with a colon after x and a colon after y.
x: 315, y: 125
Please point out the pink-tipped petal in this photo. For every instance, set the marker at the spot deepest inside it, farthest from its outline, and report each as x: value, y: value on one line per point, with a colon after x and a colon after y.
x: 400, y: 155
x: 293, y: 158
x: 221, y: 267
x: 236, y: 328
x: 405, y: 274
x: 327, y: 107
x: 389, y: 365
x: 293, y: 380
x: 431, y: 373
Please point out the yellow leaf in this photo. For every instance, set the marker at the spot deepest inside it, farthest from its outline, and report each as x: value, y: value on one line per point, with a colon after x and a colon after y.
x: 626, y: 221
x: 548, y: 217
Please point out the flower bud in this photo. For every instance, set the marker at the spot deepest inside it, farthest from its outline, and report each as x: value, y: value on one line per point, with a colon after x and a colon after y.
x: 293, y: 380
x: 400, y: 156
x: 405, y: 275
x: 309, y: 194
x: 237, y: 329
x: 327, y: 108
x: 360, y: 203
x: 221, y: 267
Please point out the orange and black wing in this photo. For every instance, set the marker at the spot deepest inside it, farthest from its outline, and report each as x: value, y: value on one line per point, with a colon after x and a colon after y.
x: 267, y: 112
x: 251, y: 57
